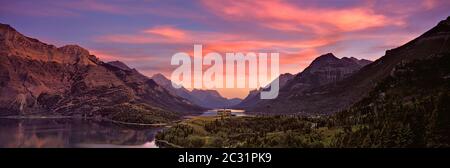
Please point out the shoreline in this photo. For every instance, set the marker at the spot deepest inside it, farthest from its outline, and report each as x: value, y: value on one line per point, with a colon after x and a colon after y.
x: 93, y: 118
x: 183, y: 118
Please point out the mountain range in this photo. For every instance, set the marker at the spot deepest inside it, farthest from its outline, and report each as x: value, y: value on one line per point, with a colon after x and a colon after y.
x: 334, y: 91
x: 325, y: 69
x: 205, y: 98
x: 41, y: 79
x: 398, y: 101
x: 37, y: 78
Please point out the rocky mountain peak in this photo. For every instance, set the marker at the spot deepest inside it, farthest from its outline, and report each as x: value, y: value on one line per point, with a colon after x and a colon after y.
x: 6, y: 27
x: 326, y: 57
x: 76, y: 54
x: 38, y: 78
x: 13, y: 43
x: 7, y: 32
x: 323, y: 60
x: 325, y: 69
x: 330, y: 61
x: 74, y: 50
x: 351, y: 59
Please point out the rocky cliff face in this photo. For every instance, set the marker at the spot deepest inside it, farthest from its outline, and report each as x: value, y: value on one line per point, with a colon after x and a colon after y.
x: 336, y: 96
x: 15, y: 44
x: 37, y: 78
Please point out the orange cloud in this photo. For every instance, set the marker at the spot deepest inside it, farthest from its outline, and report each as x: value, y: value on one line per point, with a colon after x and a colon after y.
x: 168, y: 35
x: 284, y: 26
x: 127, y: 39
x: 301, y: 59
x: 289, y: 17
x: 168, y: 32
x: 297, y: 51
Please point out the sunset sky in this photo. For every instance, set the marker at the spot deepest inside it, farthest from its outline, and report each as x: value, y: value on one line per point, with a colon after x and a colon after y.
x: 145, y: 34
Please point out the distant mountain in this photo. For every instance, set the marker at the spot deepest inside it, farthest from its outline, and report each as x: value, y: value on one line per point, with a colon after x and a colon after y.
x: 233, y: 102
x: 336, y: 96
x: 212, y: 99
x: 41, y: 79
x: 203, y: 98
x: 167, y: 84
x: 323, y: 70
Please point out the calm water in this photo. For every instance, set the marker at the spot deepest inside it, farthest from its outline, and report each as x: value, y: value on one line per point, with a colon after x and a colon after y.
x: 73, y: 133
x: 233, y: 112
x: 65, y: 132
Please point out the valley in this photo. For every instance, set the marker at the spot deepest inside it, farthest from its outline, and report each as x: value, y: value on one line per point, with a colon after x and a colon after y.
x: 405, y: 105
x: 399, y: 100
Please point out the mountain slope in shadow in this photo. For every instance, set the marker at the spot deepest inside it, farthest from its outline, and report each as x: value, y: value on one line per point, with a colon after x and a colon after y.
x: 337, y: 96
x: 325, y: 69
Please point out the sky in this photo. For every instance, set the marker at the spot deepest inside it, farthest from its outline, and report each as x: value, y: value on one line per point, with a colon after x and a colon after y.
x: 145, y: 34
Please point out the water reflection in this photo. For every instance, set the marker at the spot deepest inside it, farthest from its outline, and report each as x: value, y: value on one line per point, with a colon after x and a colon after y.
x: 234, y: 112
x: 72, y: 133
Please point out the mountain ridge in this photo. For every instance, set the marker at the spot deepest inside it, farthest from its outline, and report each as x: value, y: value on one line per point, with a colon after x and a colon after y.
x: 41, y: 79
x: 204, y: 98
x: 324, y: 69
x: 334, y: 97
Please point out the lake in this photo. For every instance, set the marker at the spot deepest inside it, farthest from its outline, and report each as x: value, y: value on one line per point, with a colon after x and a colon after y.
x: 233, y: 112
x: 67, y: 132
x: 79, y: 133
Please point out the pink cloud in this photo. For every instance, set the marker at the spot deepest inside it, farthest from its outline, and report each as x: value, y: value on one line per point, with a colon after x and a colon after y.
x: 218, y: 42
x: 95, y: 6
x: 167, y: 31
x: 165, y: 34
x: 430, y: 4
x: 286, y: 16
x: 127, y: 39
